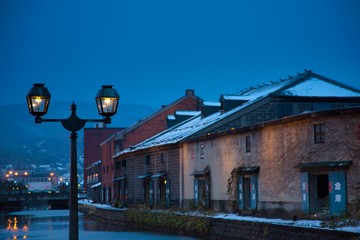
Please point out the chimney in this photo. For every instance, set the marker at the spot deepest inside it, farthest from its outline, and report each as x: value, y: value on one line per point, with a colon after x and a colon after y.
x: 170, y: 121
x: 180, y: 116
x: 209, y: 108
x: 190, y: 92
x: 231, y: 101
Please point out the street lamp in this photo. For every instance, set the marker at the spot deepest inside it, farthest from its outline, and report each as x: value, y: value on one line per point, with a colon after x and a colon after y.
x: 38, y: 100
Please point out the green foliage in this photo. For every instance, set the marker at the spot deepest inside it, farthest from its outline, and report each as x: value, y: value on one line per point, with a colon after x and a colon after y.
x: 170, y: 220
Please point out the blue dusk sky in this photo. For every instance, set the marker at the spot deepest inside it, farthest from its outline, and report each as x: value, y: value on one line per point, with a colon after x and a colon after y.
x: 151, y: 51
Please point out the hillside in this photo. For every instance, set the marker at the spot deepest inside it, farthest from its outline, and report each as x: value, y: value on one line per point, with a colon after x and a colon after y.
x: 22, y: 142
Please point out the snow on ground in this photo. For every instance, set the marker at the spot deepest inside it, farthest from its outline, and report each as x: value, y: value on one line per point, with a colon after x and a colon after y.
x: 99, y: 205
x: 298, y: 223
x: 233, y: 216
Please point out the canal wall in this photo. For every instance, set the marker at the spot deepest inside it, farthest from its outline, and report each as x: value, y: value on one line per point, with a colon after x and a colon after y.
x: 223, y: 228
x: 18, y: 202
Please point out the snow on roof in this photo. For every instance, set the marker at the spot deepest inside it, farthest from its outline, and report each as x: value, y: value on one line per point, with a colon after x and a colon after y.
x: 315, y: 87
x: 174, y: 134
x: 182, y: 130
x: 171, y: 117
x: 187, y: 113
x: 235, y: 97
x: 307, y: 84
x: 309, y: 81
x: 214, y: 104
x: 96, y: 185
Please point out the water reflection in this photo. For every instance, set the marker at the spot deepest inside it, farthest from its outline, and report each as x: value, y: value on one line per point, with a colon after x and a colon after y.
x: 14, y: 231
x: 53, y: 225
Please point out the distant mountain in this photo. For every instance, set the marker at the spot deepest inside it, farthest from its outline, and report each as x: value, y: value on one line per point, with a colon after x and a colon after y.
x: 22, y: 142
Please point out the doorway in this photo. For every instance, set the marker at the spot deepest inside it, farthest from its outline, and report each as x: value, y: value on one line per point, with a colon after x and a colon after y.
x: 247, y: 193
x: 319, y: 193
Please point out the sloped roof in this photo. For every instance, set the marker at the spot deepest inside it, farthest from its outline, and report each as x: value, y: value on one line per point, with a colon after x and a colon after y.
x: 305, y: 84
x: 188, y: 94
x: 176, y: 133
x: 314, y: 87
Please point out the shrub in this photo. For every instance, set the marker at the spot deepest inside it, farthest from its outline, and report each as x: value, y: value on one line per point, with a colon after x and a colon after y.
x: 169, y: 220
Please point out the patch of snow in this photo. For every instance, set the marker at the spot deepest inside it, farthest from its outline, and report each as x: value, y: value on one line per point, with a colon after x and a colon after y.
x: 99, y: 205
x: 237, y: 97
x: 318, y: 88
x: 171, y: 117
x: 298, y: 223
x: 214, y: 104
x: 187, y: 113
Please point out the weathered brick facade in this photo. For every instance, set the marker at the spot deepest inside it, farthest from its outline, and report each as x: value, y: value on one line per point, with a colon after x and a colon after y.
x: 92, y: 139
x: 151, y: 163
x: 263, y: 152
x: 140, y: 131
x: 277, y: 148
x: 107, y: 171
x: 156, y: 123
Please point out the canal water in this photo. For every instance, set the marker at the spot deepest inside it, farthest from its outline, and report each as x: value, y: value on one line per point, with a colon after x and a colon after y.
x: 54, y: 225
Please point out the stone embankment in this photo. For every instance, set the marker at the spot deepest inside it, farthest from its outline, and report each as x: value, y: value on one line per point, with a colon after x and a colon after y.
x: 222, y: 228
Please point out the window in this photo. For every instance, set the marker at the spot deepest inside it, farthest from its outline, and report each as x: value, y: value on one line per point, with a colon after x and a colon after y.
x: 123, y: 163
x: 319, y: 133
x: 147, y: 160
x: 247, y: 143
x: 202, y: 151
x: 118, y: 165
x: 162, y: 158
x: 284, y: 110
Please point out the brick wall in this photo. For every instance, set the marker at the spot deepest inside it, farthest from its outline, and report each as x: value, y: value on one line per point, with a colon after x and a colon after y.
x: 158, y: 123
x: 242, y: 230
x: 136, y: 166
x: 92, y: 139
x: 277, y: 148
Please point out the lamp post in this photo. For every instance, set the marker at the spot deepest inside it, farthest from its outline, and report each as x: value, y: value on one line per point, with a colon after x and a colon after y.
x: 38, y: 100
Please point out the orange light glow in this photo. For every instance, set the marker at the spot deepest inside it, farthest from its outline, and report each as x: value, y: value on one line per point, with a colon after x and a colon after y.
x: 15, y: 224
x: 9, y: 224
x: 25, y: 228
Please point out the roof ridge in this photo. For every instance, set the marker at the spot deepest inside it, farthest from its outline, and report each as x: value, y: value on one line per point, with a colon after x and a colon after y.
x: 264, y: 86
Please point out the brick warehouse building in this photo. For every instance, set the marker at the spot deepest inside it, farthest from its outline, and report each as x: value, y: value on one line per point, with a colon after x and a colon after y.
x: 294, y: 166
x: 136, y: 133
x: 92, y: 139
x: 202, y: 184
